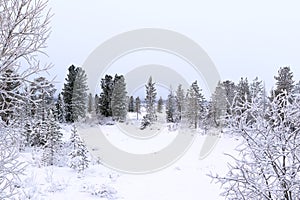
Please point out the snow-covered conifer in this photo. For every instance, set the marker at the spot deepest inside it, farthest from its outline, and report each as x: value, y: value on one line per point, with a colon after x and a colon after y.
x: 118, y: 99
x: 79, y: 153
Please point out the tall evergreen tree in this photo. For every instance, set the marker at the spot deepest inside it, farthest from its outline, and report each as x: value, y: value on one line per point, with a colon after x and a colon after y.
x: 90, y: 103
x: 171, y: 110
x: 194, y: 105
x: 118, y: 99
x: 75, y: 94
x: 41, y: 103
x: 68, y: 93
x: 60, y: 109
x: 150, y: 116
x: 96, y: 104
x: 284, y: 81
x: 217, y: 107
x: 131, y: 104
x: 243, y: 91
x: 256, y: 88
x: 160, y: 104
x: 180, y: 101
x: 230, y: 92
x: 107, y: 86
x: 137, y: 107
x: 79, y: 96
x: 53, y: 141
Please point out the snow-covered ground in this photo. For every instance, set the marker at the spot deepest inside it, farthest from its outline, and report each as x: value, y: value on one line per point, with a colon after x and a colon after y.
x: 185, y: 179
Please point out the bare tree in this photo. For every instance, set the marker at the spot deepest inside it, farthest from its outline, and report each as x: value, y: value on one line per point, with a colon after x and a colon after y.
x: 24, y: 29
x: 269, y: 163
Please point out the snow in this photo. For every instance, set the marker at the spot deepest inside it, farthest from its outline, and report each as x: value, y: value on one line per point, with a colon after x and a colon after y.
x: 185, y: 179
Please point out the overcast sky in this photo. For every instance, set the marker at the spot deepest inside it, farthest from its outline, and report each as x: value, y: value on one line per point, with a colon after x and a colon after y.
x: 243, y: 38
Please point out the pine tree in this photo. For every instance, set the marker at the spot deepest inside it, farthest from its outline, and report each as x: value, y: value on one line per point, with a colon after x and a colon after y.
x: 160, y: 104
x: 68, y: 93
x: 217, y: 106
x: 284, y: 81
x: 79, y: 95
x: 194, y: 105
x: 230, y: 92
x: 256, y: 88
x: 107, y: 86
x: 96, y: 104
x: 131, y: 104
x: 180, y: 101
x: 150, y: 116
x: 60, y: 109
x: 79, y: 154
x: 118, y: 100
x: 53, y: 142
x: 90, y: 103
x: 171, y: 114
x: 137, y: 107
x: 242, y: 92
x: 41, y: 103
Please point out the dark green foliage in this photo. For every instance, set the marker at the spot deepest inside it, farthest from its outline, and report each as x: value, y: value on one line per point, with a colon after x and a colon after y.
x: 131, y: 104
x: 160, y: 104
x: 171, y: 111
x: 137, y: 107
x: 60, y: 109
x: 118, y: 100
x: 75, y: 94
x: 107, y: 86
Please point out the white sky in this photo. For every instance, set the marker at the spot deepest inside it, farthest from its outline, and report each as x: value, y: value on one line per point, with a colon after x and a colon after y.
x: 243, y: 38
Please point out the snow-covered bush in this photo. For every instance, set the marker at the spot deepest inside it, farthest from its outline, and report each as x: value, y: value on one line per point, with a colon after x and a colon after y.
x: 10, y: 167
x: 269, y: 162
x: 101, y: 191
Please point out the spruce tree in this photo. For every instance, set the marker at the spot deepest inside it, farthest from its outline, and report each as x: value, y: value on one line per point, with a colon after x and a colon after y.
x: 284, y: 81
x: 230, y: 92
x: 96, y: 104
x: 79, y: 96
x: 107, y: 86
x: 118, y: 100
x: 137, y: 107
x: 60, y: 109
x: 53, y: 142
x: 41, y: 103
x: 217, y: 106
x: 256, y: 88
x: 79, y: 153
x: 68, y: 93
x: 90, y: 103
x: 160, y: 104
x: 171, y: 110
x: 243, y: 91
x: 180, y: 101
x: 75, y: 94
x: 194, y: 105
x: 131, y: 104
x: 150, y: 116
